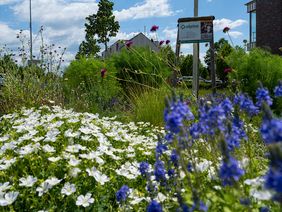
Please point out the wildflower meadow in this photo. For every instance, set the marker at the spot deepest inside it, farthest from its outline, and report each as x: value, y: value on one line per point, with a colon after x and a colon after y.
x: 222, y: 155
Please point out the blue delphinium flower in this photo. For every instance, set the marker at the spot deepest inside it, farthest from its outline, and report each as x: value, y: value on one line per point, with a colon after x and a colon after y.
x: 154, y: 206
x: 271, y: 131
x: 227, y: 106
x: 175, y: 114
x: 171, y: 172
x: 210, y: 119
x: 199, y: 206
x: 144, y: 168
x: 245, y: 201
x: 262, y: 95
x: 278, y: 90
x: 195, y: 130
x: 264, y: 209
x: 161, y: 148
x: 238, y: 128
x: 174, y: 157
x: 233, y: 141
x: 122, y: 193
x: 159, y: 171
x: 230, y: 171
x: 273, y: 178
x: 246, y: 104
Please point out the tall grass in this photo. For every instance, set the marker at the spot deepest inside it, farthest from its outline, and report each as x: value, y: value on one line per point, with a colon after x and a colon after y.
x: 27, y: 87
x: 148, y: 106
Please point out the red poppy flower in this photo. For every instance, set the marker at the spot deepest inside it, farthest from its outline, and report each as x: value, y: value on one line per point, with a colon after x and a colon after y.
x: 226, y: 29
x: 128, y: 44
x: 154, y: 28
x: 103, y: 72
x: 161, y: 42
x: 167, y: 42
x: 227, y: 70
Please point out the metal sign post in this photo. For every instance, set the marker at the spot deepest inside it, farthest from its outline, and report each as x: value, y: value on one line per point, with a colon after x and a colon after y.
x: 196, y: 50
x: 196, y: 30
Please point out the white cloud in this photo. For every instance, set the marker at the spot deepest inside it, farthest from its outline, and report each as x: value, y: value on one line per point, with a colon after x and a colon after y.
x: 3, y: 2
x: 8, y: 35
x: 56, y: 12
x: 170, y: 34
x: 220, y: 24
x: 63, y: 20
x: 235, y: 34
x: 146, y: 9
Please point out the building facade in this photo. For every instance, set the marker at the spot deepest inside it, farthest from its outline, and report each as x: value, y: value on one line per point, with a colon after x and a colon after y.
x: 140, y: 40
x: 265, y: 24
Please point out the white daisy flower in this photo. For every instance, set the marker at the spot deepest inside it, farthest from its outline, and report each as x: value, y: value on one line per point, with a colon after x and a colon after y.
x: 84, y: 201
x: 48, y: 148
x: 4, y: 186
x: 74, y: 172
x: 28, y: 181
x: 54, y: 159
x: 99, y: 177
x: 74, y: 162
x: 9, y: 198
x: 68, y: 189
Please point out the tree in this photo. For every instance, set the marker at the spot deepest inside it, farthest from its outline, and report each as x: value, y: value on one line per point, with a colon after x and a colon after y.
x: 88, y: 48
x: 186, y: 66
x: 102, y: 24
x: 221, y: 49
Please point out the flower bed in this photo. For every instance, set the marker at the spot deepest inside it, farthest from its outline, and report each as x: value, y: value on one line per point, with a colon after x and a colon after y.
x: 56, y: 159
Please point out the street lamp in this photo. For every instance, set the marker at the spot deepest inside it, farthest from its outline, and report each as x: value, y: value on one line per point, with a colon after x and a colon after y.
x: 30, y: 31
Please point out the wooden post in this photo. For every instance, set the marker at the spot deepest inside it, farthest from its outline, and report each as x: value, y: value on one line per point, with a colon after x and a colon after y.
x: 213, y: 67
x: 177, y: 50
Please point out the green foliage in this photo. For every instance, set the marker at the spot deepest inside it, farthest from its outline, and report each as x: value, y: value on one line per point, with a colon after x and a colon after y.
x: 149, y: 106
x: 257, y: 66
x: 103, y: 23
x: 140, y: 67
x: 186, y: 66
x: 7, y: 63
x: 168, y: 55
x: 86, y: 89
x: 29, y: 87
x: 222, y: 49
x: 88, y: 48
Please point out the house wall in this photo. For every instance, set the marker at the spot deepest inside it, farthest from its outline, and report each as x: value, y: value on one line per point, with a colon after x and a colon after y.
x: 269, y: 25
x: 142, y: 41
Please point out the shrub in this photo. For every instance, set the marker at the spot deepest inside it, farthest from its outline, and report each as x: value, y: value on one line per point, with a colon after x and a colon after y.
x: 29, y: 87
x: 257, y: 66
x: 87, y: 89
x: 140, y: 66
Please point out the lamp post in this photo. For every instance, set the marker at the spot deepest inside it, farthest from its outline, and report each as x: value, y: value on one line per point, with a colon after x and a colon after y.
x: 195, y: 85
x: 30, y: 31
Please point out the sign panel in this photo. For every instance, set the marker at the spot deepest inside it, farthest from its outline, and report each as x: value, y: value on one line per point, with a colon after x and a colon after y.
x: 195, y: 31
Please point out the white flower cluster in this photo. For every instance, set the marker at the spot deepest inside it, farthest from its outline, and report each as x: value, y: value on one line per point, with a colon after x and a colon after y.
x: 58, y: 150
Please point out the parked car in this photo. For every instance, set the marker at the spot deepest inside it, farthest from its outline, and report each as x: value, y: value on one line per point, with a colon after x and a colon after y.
x: 201, y: 79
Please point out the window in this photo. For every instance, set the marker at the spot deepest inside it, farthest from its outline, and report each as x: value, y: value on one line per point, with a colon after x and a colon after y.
x: 253, y: 26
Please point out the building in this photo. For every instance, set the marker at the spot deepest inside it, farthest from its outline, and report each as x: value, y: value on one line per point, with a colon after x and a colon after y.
x: 139, y: 40
x: 265, y: 24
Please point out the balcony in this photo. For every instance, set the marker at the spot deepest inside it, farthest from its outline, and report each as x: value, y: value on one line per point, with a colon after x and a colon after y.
x: 251, y: 6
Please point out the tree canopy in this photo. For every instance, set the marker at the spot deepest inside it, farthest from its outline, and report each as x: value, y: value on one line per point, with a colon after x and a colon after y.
x: 99, y: 28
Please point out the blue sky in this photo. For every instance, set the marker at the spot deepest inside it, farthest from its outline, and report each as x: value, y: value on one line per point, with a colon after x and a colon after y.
x: 63, y: 20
